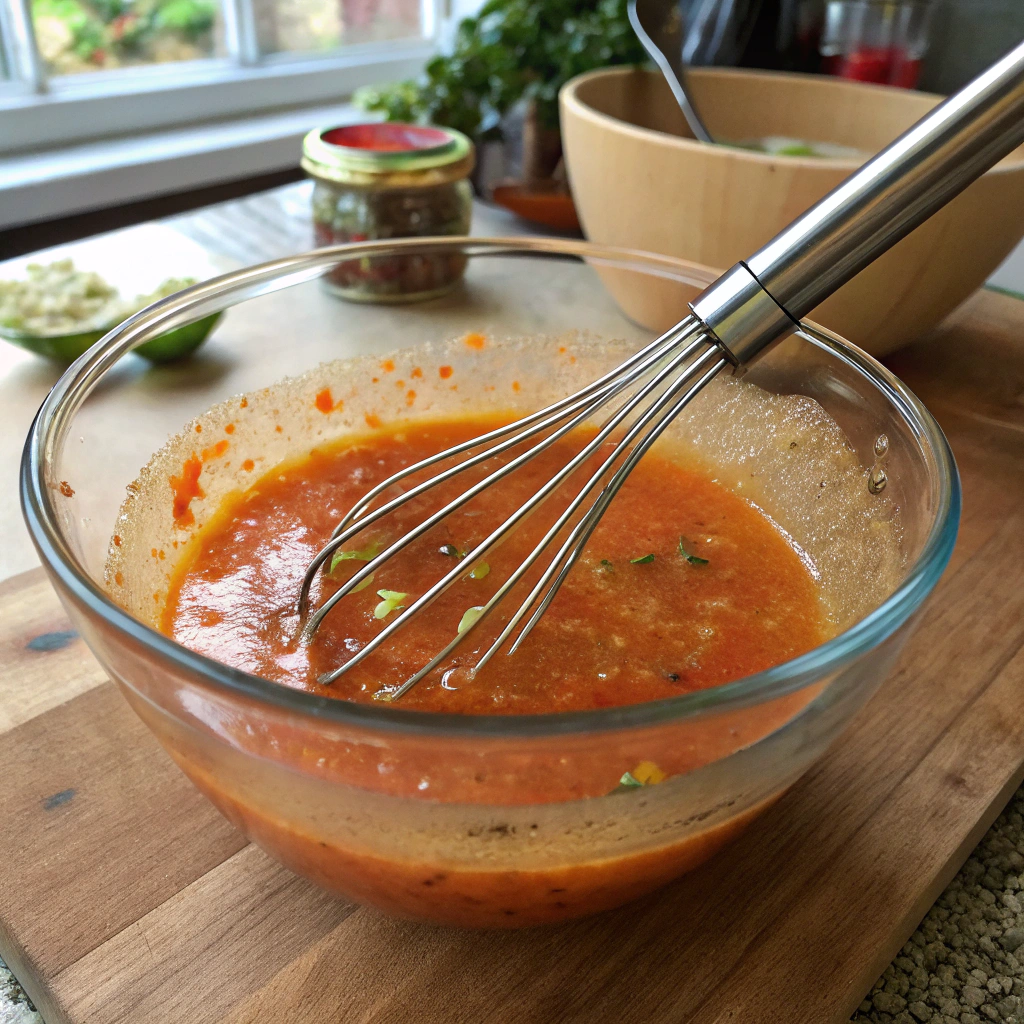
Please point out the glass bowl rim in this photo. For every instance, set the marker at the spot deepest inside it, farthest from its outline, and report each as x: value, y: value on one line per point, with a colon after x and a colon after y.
x: 53, y: 419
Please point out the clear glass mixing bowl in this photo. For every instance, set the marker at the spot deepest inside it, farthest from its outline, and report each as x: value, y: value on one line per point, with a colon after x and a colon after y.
x: 336, y: 791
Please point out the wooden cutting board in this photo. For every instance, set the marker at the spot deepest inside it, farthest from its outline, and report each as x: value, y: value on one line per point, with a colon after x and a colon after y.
x: 125, y: 897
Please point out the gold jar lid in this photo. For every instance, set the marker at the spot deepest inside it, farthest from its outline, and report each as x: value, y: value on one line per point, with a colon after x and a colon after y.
x: 387, y: 154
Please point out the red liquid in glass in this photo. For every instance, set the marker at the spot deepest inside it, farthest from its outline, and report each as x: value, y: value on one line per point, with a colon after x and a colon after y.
x: 881, y: 65
x: 905, y: 71
x: 870, y: 64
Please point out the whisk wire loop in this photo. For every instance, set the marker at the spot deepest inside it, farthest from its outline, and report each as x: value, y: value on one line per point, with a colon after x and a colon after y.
x: 667, y: 367
x: 577, y: 540
x: 647, y: 356
x: 584, y: 528
x: 357, y: 519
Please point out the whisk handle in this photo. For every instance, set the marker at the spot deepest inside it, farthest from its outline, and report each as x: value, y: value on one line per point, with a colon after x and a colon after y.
x: 869, y: 212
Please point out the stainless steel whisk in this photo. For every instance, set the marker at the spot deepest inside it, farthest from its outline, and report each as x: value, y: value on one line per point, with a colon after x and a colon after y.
x: 756, y: 303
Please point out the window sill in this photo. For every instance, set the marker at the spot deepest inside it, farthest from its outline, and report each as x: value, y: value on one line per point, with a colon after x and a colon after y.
x: 90, y: 176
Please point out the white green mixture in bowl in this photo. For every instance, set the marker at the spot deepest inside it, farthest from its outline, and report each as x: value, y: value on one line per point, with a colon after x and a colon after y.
x: 779, y: 145
x: 59, y: 311
x: 56, y: 298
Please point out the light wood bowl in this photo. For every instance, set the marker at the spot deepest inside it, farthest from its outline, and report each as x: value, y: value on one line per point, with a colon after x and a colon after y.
x: 640, y: 180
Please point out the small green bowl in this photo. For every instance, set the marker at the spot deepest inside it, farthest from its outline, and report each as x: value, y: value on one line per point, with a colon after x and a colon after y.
x: 165, y: 348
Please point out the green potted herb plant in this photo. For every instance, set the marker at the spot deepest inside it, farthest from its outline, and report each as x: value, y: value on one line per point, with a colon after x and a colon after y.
x: 512, y: 58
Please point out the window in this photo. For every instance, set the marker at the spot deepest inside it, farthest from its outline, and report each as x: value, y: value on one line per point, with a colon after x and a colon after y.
x: 76, y: 36
x: 4, y: 73
x: 7, y: 55
x: 77, y: 70
x: 285, y: 26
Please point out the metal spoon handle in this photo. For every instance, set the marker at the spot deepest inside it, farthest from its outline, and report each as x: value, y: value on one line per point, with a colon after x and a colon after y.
x: 869, y: 212
x: 672, y: 72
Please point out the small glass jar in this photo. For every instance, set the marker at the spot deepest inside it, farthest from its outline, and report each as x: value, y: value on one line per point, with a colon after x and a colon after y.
x: 880, y: 41
x: 383, y: 181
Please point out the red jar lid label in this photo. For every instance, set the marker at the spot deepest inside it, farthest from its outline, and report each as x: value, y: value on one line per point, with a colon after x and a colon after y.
x: 387, y: 137
x: 356, y: 153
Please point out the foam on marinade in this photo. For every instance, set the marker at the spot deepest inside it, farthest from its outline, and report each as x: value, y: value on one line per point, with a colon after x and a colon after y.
x: 787, y: 456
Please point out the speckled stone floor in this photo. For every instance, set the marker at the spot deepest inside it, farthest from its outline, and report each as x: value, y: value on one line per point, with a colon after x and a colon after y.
x: 959, y: 967
x: 15, y: 1007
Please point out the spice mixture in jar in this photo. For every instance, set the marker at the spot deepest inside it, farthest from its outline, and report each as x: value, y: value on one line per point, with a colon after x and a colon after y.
x: 383, y: 181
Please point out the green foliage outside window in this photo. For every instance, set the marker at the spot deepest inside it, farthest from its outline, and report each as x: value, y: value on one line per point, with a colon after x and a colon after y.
x: 512, y: 50
x: 93, y: 35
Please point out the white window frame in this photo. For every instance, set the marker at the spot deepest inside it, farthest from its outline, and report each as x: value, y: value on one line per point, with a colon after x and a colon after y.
x: 38, y: 112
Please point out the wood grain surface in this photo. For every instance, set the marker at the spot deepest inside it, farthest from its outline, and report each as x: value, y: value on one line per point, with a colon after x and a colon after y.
x: 125, y: 897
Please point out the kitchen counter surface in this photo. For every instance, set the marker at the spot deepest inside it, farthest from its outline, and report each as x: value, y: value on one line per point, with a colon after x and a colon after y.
x: 960, y: 966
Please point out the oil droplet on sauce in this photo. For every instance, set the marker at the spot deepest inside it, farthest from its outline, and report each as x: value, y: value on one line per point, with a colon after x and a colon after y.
x: 185, y: 488
x: 387, y: 365
x: 324, y: 401
x: 445, y: 372
x: 229, y: 429
x: 372, y: 420
x: 215, y: 451
x: 248, y: 465
x: 475, y: 340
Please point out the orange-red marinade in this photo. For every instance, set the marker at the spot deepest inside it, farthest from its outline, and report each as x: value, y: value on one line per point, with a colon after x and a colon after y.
x: 724, y: 595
